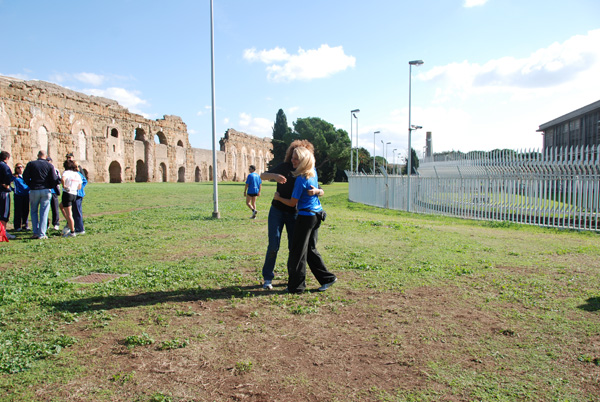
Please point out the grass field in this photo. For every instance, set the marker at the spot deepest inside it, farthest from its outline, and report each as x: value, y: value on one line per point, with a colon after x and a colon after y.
x: 426, y: 308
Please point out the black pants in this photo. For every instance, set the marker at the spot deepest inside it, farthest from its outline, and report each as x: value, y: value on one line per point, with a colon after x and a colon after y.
x: 78, y: 215
x: 304, y: 250
x: 54, y: 209
x: 21, y: 219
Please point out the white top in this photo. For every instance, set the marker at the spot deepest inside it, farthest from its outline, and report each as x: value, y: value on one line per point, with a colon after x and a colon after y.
x: 72, y: 181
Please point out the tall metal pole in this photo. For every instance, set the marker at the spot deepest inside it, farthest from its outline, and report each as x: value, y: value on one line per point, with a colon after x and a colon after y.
x: 352, y: 139
x: 376, y: 132
x: 351, y: 144
x: 356, y: 143
x: 408, y: 163
x: 215, y: 213
x: 387, y: 164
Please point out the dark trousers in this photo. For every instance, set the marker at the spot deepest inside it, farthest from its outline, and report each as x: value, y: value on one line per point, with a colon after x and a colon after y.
x: 54, y: 209
x: 303, y: 251
x: 78, y: 214
x: 21, y: 219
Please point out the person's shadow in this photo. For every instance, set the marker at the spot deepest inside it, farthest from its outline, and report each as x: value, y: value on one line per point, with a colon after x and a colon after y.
x: 592, y: 304
x: 150, y: 298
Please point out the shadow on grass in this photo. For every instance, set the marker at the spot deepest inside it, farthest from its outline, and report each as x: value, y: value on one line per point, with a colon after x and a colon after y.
x: 592, y: 304
x: 152, y: 298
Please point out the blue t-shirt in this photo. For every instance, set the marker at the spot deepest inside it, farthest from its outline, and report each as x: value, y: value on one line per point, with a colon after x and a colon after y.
x: 253, y: 181
x: 307, y: 204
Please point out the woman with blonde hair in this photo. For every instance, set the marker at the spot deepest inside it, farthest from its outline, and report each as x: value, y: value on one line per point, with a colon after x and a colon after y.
x: 281, y: 215
x: 303, y: 249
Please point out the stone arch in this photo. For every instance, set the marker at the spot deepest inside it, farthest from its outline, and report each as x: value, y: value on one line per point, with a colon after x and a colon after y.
x: 244, y: 163
x: 162, y: 172
x: 141, y: 172
x: 160, y: 138
x: 210, y: 173
x: 180, y: 143
x: 233, y: 158
x: 114, y: 132
x: 40, y: 128
x: 114, y: 172
x: 82, y: 145
x: 181, y: 175
x: 197, y: 175
x: 81, y: 130
x: 224, y: 175
x: 140, y: 134
x: 253, y: 158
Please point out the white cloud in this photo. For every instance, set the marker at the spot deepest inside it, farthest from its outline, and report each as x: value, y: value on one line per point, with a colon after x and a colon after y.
x: 86, y: 78
x: 203, y: 112
x: 557, y: 65
x: 128, y: 99
x: 90, y: 78
x: 257, y: 126
x: 474, y: 3
x: 267, y: 56
x: 306, y: 65
x: 293, y: 109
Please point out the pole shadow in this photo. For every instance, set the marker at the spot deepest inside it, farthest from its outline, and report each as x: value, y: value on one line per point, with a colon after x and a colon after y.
x: 97, y: 303
x: 592, y: 304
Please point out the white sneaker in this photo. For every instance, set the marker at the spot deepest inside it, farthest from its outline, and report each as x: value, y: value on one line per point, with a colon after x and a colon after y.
x: 267, y: 285
x: 327, y: 285
x: 56, y: 227
x: 66, y: 230
x: 69, y: 234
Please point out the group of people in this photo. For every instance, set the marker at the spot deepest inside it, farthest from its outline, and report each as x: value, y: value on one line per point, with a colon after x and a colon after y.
x: 296, y: 207
x: 36, y: 191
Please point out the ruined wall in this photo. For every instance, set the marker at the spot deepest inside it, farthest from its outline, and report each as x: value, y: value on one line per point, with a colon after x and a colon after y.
x: 109, y: 142
x: 242, y: 150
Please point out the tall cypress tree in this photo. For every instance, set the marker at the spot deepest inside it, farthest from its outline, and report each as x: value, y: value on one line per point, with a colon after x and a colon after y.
x: 281, y: 139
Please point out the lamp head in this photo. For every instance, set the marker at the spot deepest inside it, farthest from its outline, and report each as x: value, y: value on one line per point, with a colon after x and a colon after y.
x: 355, y: 111
x: 416, y: 62
x: 415, y: 127
x: 376, y: 132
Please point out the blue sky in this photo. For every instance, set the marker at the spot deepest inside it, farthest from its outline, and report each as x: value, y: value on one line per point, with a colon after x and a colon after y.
x: 494, y: 69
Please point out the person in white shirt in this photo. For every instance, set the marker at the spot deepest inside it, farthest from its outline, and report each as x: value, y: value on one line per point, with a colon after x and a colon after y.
x: 71, y: 182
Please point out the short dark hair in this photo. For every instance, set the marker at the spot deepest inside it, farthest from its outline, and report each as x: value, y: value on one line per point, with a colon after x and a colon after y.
x: 252, y: 167
x: 70, y: 165
x: 4, y: 156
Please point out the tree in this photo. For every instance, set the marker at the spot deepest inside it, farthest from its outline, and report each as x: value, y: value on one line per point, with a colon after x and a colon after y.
x: 282, y: 134
x: 365, y: 162
x: 414, y: 161
x: 332, y: 147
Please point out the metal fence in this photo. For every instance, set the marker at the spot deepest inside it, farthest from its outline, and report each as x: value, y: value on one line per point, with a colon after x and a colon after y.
x: 554, y: 188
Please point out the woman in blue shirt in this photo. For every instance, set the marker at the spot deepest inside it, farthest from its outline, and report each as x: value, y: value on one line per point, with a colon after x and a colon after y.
x: 304, y: 241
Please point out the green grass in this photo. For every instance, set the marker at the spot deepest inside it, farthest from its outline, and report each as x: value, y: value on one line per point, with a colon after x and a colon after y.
x: 541, y: 288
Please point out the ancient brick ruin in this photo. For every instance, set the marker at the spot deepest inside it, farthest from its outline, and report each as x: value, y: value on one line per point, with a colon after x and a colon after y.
x: 111, y: 143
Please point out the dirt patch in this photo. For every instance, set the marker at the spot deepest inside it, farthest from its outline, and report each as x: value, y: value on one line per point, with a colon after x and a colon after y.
x: 343, y: 345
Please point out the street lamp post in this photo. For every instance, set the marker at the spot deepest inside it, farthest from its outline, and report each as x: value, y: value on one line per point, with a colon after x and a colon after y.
x: 394, y: 153
x: 356, y: 117
x: 376, y: 132
x: 386, y: 160
x: 408, y: 163
x: 352, y: 113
